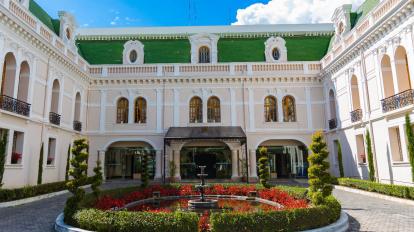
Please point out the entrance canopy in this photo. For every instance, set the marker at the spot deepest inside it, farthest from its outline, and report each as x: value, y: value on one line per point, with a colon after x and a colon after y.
x: 205, y: 133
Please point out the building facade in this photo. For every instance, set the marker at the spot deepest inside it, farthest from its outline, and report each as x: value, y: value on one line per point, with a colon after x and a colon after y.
x: 190, y: 96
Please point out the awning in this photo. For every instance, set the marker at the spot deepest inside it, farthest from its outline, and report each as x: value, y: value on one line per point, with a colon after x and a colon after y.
x: 205, y: 133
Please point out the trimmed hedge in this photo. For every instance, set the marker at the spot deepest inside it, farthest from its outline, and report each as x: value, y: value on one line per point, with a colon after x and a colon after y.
x: 288, y: 220
x: 387, y: 189
x: 32, y: 191
x: 102, y: 221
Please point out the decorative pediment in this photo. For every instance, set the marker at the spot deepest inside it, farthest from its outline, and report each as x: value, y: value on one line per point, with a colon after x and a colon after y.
x: 203, y: 40
x: 275, y: 50
x: 342, y: 21
x: 67, y: 28
x: 133, y: 52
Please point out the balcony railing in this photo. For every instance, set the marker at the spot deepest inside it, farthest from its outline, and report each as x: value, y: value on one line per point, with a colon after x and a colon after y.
x: 54, y: 118
x: 356, y: 115
x: 77, y: 126
x: 398, y: 101
x: 333, y: 124
x: 15, y: 106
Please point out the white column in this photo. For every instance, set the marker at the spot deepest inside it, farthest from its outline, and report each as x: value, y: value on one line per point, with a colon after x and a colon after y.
x: 251, y: 110
x: 379, y: 78
x: 233, y: 112
x: 234, y: 164
x: 102, y: 115
x: 131, y: 107
x: 253, y: 165
x: 394, y: 74
x: 176, y: 107
x: 279, y: 100
x: 16, y: 81
x: 159, y: 111
x: 204, y: 106
x: 309, y: 108
x: 410, y: 51
x: 158, y: 165
x: 176, y: 154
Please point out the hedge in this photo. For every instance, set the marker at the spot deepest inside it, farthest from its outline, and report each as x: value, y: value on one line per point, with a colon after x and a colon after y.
x: 387, y: 189
x: 287, y: 220
x: 102, y: 221
x: 32, y: 191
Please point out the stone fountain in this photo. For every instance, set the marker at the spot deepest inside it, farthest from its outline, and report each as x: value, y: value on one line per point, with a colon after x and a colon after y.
x: 202, y: 202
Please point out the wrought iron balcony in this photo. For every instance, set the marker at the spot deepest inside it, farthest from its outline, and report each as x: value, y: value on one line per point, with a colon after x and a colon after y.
x: 356, y: 115
x: 54, y: 118
x: 333, y: 124
x: 15, y: 106
x: 77, y: 126
x: 398, y: 101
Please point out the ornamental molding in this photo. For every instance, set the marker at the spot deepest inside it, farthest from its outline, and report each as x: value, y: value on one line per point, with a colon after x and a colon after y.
x: 275, y: 43
x: 203, y: 40
x: 374, y: 34
x: 129, y: 48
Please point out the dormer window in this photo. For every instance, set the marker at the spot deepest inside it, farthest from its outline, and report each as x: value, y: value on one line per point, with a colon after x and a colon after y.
x: 68, y: 34
x: 341, y: 28
x: 133, y: 56
x: 276, y: 54
x: 204, y: 55
x: 133, y: 52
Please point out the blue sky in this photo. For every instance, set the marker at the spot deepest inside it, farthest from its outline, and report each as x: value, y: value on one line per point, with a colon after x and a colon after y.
x: 125, y: 13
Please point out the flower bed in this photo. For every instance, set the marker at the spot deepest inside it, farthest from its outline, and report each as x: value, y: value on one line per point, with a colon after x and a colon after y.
x: 297, y: 213
x: 387, y: 189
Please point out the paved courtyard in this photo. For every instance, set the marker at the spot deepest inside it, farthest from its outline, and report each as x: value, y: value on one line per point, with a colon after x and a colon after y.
x: 367, y: 213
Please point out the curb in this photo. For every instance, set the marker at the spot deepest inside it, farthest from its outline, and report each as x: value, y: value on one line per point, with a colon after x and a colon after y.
x: 34, y: 199
x: 376, y: 195
x: 339, y: 226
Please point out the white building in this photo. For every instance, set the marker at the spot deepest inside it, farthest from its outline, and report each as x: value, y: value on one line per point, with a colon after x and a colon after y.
x: 211, y: 96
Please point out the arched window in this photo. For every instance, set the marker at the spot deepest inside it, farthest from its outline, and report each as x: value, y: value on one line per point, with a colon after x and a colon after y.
x: 8, y: 75
x: 356, y: 103
x: 332, y: 104
x: 54, y: 106
x: 204, y: 55
x: 402, y: 70
x: 270, y: 109
x: 122, y: 111
x: 196, y: 110
x: 275, y: 54
x: 140, y: 110
x: 23, y: 91
x: 289, y: 109
x: 387, y: 78
x: 77, y: 107
x: 133, y: 56
x: 213, y: 110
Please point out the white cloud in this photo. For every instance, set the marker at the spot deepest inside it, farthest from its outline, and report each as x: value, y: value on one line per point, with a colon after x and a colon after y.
x: 291, y: 11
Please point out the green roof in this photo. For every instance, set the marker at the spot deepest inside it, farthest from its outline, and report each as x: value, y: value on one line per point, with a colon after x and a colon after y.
x: 44, y: 17
x: 365, y: 8
x: 300, y: 48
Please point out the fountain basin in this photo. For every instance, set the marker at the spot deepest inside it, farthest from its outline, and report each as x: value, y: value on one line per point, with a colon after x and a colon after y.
x: 206, y: 204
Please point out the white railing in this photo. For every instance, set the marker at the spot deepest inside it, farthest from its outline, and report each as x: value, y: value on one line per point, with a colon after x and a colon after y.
x: 44, y: 32
x: 374, y: 16
x: 225, y: 69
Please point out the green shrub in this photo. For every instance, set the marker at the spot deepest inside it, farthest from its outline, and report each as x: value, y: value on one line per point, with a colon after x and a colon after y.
x: 340, y: 162
x: 145, y: 171
x: 102, y: 221
x: 410, y: 142
x: 320, y: 180
x: 387, y: 189
x: 370, y: 157
x: 264, y: 167
x: 67, y: 164
x: 32, y: 191
x: 97, y: 179
x: 3, y: 147
x: 40, y: 166
x: 287, y: 220
x: 78, y: 172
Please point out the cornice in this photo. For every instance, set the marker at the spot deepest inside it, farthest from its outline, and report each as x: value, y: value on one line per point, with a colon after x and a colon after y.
x: 26, y: 33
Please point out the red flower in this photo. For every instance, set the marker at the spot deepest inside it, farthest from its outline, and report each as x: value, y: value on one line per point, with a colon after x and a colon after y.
x: 15, y: 157
x: 204, y: 223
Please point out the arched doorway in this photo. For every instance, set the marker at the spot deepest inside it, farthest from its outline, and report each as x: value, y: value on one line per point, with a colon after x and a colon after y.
x: 125, y: 160
x: 287, y: 158
x: 215, y: 155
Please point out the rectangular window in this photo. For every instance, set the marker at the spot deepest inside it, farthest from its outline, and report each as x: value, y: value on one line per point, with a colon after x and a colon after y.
x: 362, y: 158
x: 395, y: 144
x: 17, y: 150
x: 51, y: 151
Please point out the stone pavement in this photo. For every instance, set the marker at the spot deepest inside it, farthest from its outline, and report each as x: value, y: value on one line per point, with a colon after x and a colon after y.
x: 40, y: 216
x: 366, y: 213
x: 373, y: 214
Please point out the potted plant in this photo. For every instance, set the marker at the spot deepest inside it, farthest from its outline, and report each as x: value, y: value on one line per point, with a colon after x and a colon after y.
x: 50, y: 160
x: 15, y: 157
